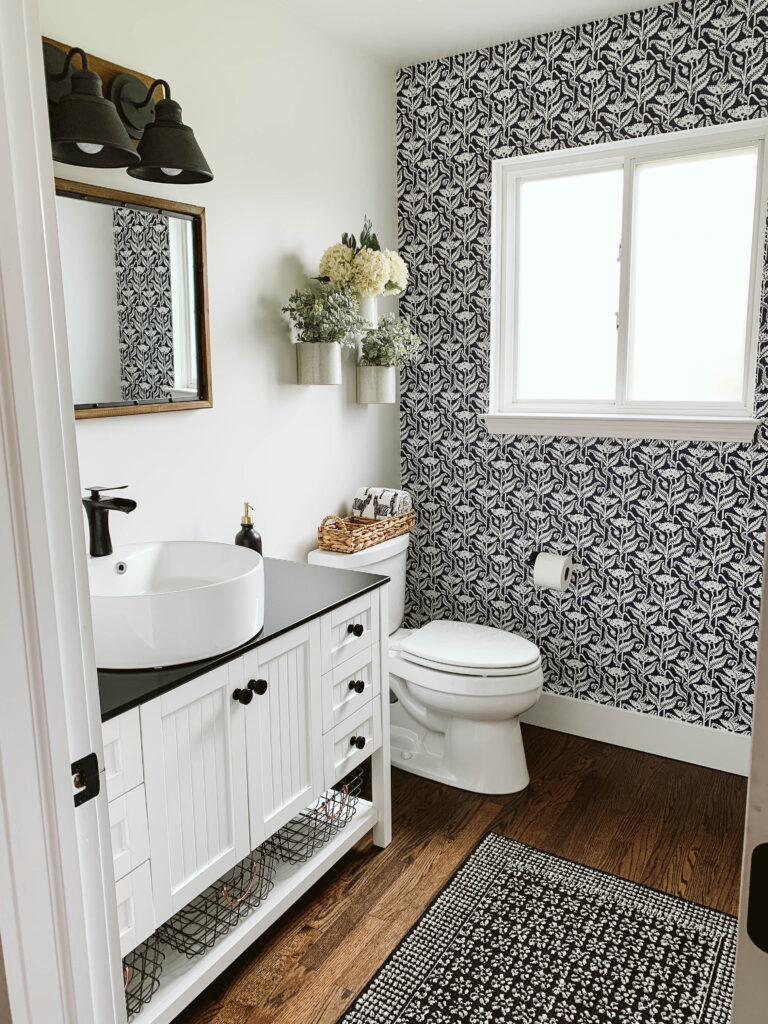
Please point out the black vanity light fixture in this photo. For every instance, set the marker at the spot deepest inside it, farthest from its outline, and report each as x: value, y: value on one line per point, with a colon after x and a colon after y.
x: 167, y: 149
x: 85, y: 127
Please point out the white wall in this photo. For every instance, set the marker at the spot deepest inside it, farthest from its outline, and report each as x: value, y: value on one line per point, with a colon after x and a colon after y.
x: 90, y: 293
x: 299, y: 132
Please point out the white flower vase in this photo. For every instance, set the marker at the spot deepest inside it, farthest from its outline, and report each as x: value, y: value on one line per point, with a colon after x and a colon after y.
x: 319, y: 362
x: 368, y: 309
x: 376, y: 385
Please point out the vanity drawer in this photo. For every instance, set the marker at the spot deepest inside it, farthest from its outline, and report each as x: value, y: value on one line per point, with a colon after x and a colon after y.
x: 341, y: 753
x: 123, y: 764
x: 128, y: 831
x: 342, y: 690
x: 349, y: 629
x: 135, y: 913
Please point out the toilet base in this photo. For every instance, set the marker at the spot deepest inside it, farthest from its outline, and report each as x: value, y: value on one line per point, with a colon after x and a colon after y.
x: 481, y: 757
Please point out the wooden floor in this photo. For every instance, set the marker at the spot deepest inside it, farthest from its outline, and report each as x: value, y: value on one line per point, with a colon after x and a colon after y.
x: 671, y: 825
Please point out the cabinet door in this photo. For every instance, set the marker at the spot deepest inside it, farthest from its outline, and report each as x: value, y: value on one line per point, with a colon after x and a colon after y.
x: 284, y: 729
x: 195, y: 778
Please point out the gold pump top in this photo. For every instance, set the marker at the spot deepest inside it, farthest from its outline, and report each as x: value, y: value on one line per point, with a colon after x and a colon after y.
x: 247, y: 519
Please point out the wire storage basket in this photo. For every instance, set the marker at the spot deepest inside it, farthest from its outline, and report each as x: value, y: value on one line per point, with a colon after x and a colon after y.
x: 196, y: 927
x: 313, y: 827
x: 141, y: 974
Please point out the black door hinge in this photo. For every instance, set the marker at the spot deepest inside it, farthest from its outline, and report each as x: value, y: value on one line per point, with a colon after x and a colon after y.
x: 85, y: 778
x: 757, y: 905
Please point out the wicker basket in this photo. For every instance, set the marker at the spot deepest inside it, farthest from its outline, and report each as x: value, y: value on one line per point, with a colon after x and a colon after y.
x: 355, y: 534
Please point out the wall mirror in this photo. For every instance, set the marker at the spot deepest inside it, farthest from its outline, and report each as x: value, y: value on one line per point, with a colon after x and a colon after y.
x: 136, y: 301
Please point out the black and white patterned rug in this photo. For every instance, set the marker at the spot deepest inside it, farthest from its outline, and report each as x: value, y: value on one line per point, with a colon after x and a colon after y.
x: 519, y: 936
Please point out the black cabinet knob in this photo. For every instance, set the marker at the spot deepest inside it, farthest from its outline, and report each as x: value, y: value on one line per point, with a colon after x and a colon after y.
x: 258, y: 686
x: 358, y: 629
x: 358, y: 685
x: 357, y: 741
x: 244, y: 696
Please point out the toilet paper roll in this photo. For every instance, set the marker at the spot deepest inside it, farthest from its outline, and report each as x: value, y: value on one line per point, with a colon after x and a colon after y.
x: 552, y: 570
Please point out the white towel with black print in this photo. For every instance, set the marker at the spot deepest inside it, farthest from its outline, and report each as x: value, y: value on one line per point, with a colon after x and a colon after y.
x: 380, y: 502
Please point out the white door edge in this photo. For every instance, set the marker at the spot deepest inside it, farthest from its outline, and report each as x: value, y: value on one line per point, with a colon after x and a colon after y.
x: 750, y: 995
x: 58, y: 917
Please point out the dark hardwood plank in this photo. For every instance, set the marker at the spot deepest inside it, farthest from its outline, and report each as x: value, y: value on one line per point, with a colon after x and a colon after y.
x: 667, y: 824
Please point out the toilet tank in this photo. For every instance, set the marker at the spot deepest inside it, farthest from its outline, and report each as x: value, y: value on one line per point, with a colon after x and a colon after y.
x: 385, y: 559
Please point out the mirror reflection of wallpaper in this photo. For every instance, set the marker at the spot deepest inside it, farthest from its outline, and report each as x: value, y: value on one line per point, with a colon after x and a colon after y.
x: 145, y: 326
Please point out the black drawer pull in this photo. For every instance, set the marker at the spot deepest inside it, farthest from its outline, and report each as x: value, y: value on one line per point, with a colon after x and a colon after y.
x: 358, y: 629
x: 258, y: 686
x: 357, y: 741
x: 358, y: 685
x: 244, y: 696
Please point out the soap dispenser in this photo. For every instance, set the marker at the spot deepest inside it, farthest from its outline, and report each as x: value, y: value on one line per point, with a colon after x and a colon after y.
x: 247, y: 537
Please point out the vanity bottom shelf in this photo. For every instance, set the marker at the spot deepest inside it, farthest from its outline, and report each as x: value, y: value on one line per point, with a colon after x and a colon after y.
x: 183, y: 980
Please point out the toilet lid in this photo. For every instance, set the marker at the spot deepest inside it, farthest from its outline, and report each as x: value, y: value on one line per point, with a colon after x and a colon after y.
x: 466, y: 645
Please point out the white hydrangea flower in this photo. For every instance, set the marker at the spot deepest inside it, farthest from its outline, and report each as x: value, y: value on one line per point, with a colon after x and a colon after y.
x: 336, y: 263
x: 398, y: 273
x: 371, y: 270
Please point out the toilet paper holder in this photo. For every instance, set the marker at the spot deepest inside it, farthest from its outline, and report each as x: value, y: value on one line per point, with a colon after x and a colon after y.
x: 535, y: 554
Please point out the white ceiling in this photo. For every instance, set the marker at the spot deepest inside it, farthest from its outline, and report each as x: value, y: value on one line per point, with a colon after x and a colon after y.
x: 404, y: 32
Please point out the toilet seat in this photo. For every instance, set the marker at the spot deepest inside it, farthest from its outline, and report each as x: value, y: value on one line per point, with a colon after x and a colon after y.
x: 463, y: 685
x: 468, y: 649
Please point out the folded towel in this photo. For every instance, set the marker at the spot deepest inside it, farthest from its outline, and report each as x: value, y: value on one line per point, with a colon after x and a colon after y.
x: 380, y: 502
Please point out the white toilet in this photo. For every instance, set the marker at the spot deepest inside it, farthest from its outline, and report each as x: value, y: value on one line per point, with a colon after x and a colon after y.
x: 460, y: 687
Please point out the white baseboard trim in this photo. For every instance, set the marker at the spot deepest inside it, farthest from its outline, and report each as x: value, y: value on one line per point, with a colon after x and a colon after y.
x: 713, y: 748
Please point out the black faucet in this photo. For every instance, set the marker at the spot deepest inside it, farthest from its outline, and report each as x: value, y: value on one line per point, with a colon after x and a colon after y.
x: 97, y: 509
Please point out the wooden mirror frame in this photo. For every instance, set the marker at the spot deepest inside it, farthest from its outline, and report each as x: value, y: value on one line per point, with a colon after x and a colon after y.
x: 197, y: 214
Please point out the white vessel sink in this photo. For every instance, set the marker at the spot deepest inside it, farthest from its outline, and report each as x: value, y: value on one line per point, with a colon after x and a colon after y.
x: 162, y: 604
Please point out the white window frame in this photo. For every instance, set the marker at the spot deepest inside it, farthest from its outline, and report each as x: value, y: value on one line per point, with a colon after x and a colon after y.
x: 620, y: 418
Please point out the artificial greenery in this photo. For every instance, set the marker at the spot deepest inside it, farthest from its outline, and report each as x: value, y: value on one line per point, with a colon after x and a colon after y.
x: 368, y: 239
x: 326, y: 312
x: 390, y: 343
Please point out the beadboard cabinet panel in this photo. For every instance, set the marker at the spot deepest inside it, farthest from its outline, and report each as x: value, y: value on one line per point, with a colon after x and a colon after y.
x: 283, y: 729
x: 195, y: 778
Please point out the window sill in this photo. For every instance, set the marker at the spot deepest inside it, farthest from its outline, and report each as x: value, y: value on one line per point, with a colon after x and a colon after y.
x: 672, y: 428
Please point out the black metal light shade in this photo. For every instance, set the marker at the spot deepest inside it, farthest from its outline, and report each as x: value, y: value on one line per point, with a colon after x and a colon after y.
x: 85, y: 128
x: 167, y: 148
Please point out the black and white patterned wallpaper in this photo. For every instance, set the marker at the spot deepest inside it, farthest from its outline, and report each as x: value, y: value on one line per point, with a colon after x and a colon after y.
x: 668, y: 536
x: 144, y: 321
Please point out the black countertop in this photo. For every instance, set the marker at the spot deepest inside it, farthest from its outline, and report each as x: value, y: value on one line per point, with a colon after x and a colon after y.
x: 294, y: 593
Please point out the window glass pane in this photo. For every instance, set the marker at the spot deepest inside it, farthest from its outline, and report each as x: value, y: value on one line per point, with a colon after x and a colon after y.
x: 568, y: 286
x: 692, y: 244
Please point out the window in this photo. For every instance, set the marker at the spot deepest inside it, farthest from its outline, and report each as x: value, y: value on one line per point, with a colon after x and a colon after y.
x: 626, y: 283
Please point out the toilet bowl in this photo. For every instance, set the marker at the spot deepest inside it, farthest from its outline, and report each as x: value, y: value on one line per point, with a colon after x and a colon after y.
x: 459, y: 688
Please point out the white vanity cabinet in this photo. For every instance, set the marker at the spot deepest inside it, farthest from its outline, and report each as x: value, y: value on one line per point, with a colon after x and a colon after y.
x: 193, y: 739
x: 201, y: 775
x: 283, y: 729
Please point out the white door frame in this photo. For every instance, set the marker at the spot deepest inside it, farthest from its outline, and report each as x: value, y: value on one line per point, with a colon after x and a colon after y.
x: 57, y: 911
x: 750, y: 997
